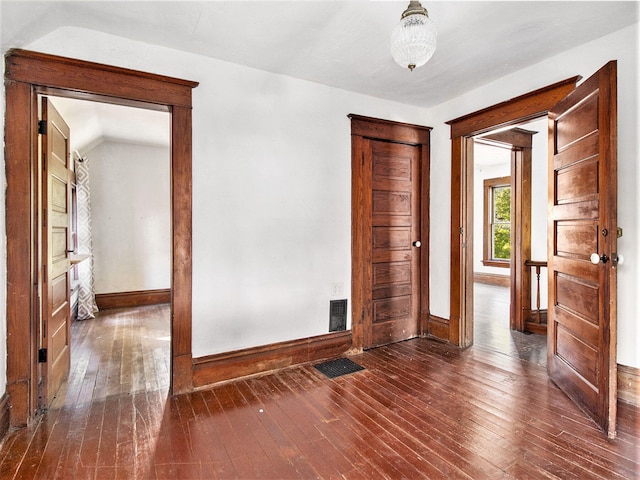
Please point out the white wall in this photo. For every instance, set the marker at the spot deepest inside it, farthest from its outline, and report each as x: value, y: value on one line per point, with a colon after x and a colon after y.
x: 584, y: 60
x: 271, y: 189
x: 131, y: 216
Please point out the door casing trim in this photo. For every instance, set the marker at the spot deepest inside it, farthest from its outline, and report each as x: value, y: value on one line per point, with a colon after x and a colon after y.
x: 518, y: 110
x: 28, y: 74
x: 361, y: 272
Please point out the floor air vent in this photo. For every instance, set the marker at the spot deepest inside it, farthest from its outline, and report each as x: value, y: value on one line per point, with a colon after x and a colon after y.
x: 340, y: 366
x: 337, y: 315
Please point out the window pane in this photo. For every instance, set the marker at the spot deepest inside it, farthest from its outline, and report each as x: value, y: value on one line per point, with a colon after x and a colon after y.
x: 502, y: 204
x: 501, y: 235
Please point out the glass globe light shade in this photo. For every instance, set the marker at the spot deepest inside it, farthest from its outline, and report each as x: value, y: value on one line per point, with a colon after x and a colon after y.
x: 413, y: 41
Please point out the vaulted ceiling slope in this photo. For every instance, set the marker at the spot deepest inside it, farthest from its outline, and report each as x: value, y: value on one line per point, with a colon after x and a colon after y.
x: 344, y: 44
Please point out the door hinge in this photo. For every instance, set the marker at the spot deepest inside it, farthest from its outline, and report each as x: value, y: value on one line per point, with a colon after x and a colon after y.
x: 44, y: 273
x: 619, y: 232
x: 461, y: 231
x: 363, y: 159
x: 362, y: 316
x: 42, y: 355
x: 42, y: 127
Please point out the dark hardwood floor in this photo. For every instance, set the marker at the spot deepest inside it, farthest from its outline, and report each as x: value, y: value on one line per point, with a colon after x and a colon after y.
x: 420, y: 409
x: 491, y: 329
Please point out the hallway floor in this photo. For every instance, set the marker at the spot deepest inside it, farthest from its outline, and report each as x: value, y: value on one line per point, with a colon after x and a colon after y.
x: 491, y: 329
x: 419, y: 409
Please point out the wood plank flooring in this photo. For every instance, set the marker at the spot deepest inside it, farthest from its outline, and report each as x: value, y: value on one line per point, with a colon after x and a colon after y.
x: 491, y: 329
x: 420, y: 409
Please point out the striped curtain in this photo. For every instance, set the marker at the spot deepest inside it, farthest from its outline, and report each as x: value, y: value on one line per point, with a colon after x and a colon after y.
x: 86, y: 298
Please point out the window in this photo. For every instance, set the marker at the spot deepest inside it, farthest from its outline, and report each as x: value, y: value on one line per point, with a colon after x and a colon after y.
x: 497, y: 224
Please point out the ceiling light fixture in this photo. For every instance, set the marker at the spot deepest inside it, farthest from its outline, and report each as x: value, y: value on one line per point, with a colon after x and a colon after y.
x: 413, y: 41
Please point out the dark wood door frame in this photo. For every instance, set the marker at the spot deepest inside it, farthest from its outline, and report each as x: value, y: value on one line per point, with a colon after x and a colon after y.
x: 361, y: 207
x: 512, y: 112
x: 27, y: 75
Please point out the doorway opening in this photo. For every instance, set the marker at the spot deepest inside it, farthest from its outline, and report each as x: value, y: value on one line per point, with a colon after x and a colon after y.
x: 510, y: 240
x: 120, y: 248
x: 28, y: 74
x: 582, y: 126
x: 521, y: 109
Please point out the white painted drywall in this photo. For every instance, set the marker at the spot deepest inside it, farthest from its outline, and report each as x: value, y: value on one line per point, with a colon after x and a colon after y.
x: 131, y: 216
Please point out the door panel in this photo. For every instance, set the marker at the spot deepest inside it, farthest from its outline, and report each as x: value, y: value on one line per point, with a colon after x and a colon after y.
x: 582, y: 221
x: 389, y: 244
x: 56, y: 200
x: 578, y: 182
x: 389, y: 212
x: 573, y: 239
x: 395, y: 200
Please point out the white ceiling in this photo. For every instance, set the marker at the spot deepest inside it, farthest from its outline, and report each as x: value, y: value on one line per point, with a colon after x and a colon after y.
x: 344, y: 44
x: 92, y: 123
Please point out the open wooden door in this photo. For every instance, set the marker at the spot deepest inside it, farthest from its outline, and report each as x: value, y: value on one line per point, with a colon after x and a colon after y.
x: 582, y: 246
x: 55, y: 328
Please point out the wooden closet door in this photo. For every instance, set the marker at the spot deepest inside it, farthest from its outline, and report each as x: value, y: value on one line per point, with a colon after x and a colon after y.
x: 395, y: 242
x: 389, y: 231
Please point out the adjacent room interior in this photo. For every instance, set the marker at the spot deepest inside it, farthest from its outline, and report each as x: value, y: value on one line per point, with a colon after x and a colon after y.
x: 493, y: 207
x: 121, y: 248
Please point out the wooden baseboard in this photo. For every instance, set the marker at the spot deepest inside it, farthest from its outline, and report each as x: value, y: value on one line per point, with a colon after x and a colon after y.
x: 132, y: 299
x: 531, y: 323
x: 251, y: 361
x: 532, y: 316
x: 492, y: 279
x: 4, y: 416
x: 438, y: 328
x: 535, y: 328
x: 629, y: 385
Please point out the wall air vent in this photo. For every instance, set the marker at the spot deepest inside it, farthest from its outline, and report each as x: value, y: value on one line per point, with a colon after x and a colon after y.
x: 337, y: 315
